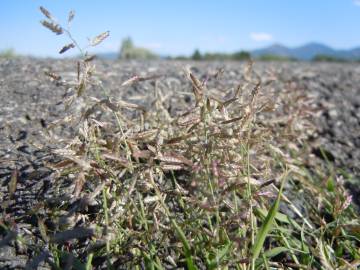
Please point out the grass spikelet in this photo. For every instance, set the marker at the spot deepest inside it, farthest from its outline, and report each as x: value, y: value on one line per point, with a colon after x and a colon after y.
x: 171, y: 167
x: 52, y: 75
x: 189, y: 120
x: 124, y: 104
x: 148, y: 134
x: 66, y: 48
x: 232, y: 120
x: 46, y: 13
x: 100, y: 38
x: 137, y: 78
x: 54, y: 27
x: 71, y: 16
x: 130, y: 81
x: 174, y: 158
x: 79, y: 184
x: 197, y: 88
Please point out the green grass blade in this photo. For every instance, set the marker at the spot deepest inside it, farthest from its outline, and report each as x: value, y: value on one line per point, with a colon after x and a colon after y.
x: 89, y: 261
x: 266, y: 226
x: 275, y: 251
x: 214, y: 264
x: 187, y: 249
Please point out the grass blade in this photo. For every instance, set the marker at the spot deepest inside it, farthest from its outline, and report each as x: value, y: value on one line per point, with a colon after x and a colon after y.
x: 214, y: 264
x: 13, y: 183
x: 266, y: 226
x: 187, y: 249
x: 88, y: 265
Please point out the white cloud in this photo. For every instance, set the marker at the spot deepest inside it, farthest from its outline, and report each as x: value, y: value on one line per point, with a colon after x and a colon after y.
x: 261, y: 36
x: 356, y: 2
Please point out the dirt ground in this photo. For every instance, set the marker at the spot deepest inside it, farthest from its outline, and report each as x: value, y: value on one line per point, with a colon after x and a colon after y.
x: 30, y: 101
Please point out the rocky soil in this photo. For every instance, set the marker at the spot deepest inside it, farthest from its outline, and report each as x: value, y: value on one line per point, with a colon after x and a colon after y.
x: 30, y: 101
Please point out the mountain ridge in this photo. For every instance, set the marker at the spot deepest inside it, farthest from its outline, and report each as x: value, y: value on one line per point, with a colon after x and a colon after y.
x: 305, y: 52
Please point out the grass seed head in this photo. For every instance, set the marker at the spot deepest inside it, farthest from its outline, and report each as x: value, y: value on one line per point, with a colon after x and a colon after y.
x: 66, y: 48
x: 71, y: 16
x: 100, y: 38
x: 52, y: 26
x: 46, y: 13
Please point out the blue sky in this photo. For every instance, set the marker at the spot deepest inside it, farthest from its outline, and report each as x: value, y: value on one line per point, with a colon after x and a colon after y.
x: 178, y: 27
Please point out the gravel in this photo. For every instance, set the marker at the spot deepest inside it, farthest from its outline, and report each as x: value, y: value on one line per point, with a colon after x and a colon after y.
x: 30, y: 101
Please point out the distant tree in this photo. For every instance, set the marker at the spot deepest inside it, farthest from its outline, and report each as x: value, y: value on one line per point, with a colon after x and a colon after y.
x: 196, y: 55
x: 327, y: 58
x: 126, y: 45
x: 129, y: 51
x: 216, y: 56
x: 181, y: 57
x: 7, y: 54
x: 242, y: 55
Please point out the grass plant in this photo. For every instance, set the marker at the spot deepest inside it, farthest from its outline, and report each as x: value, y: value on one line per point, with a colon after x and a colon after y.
x: 212, y: 187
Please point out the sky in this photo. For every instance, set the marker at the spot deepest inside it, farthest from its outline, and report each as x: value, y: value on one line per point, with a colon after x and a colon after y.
x: 177, y: 27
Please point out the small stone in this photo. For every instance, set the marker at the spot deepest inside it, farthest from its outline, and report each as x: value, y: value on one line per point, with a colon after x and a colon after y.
x: 333, y: 113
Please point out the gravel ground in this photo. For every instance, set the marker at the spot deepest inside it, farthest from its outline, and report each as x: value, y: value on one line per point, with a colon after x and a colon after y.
x: 30, y: 101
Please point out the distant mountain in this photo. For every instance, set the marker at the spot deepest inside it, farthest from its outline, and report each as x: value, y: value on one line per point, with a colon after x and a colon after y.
x: 275, y: 49
x: 307, y: 51
x: 351, y: 54
x: 310, y: 50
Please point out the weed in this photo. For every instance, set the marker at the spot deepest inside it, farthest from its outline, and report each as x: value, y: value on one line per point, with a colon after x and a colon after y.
x: 195, y: 190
